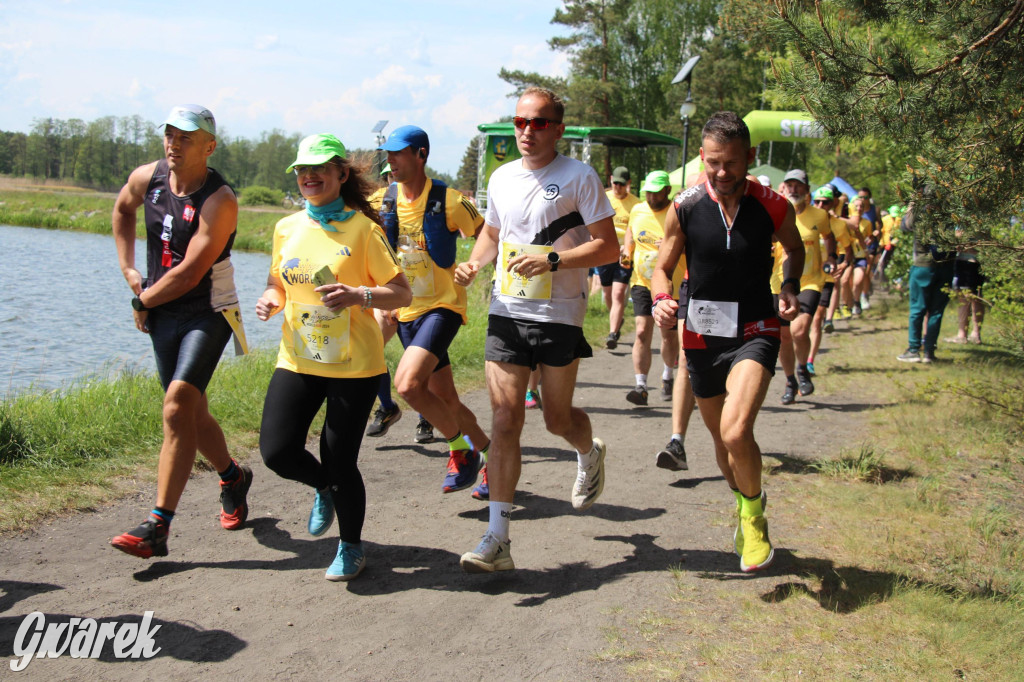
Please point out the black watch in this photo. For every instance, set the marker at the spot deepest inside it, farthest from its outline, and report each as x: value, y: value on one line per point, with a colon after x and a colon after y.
x: 554, y: 260
x: 137, y: 304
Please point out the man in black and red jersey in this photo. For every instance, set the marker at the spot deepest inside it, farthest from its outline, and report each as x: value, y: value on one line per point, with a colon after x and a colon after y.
x: 189, y: 307
x: 731, y: 332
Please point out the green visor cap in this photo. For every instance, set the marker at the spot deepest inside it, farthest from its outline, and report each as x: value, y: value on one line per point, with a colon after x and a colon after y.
x: 895, y: 210
x: 823, y: 193
x: 385, y: 170
x: 317, y: 149
x: 656, y: 181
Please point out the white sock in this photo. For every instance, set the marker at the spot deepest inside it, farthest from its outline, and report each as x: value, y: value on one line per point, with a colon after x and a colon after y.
x: 641, y: 380
x: 587, y: 458
x: 500, y: 515
x: 666, y: 375
x: 677, y: 436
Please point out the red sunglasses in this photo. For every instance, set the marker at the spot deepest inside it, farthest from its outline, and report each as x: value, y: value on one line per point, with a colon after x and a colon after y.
x: 536, y: 123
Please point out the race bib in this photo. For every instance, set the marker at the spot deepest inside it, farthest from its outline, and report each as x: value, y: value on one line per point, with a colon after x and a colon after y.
x: 319, y: 334
x: 646, y: 264
x: 417, y: 266
x: 713, y: 318
x: 537, y: 287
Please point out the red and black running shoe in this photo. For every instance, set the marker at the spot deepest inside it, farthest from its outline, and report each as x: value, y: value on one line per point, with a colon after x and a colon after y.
x: 234, y: 508
x: 148, y: 540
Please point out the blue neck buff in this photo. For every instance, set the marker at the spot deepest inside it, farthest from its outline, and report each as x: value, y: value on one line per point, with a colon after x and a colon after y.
x: 332, y: 211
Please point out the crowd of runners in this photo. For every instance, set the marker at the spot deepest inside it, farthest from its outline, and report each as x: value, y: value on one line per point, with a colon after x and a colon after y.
x: 734, y: 275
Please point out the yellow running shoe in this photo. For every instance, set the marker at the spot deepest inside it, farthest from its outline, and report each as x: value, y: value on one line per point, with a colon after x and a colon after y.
x: 757, y: 549
x: 737, y: 536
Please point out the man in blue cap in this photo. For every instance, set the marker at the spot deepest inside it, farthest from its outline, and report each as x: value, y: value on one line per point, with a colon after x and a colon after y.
x: 422, y: 218
x: 188, y: 305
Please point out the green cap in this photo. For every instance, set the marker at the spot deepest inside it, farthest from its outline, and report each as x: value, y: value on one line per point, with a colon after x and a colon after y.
x: 317, y: 149
x: 823, y: 193
x: 656, y: 181
x: 385, y: 170
x: 895, y: 210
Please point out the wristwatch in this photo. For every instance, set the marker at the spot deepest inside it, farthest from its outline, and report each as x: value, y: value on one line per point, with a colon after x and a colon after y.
x: 554, y: 260
x: 137, y: 304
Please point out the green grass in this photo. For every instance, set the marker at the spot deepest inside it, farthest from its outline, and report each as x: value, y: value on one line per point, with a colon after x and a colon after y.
x: 911, y: 559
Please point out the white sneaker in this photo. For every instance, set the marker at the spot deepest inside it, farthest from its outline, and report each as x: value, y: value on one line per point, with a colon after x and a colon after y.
x: 865, y: 304
x: 590, y: 481
x: 490, y: 555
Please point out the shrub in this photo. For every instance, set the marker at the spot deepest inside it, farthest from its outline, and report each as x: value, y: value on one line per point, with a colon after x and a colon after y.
x: 257, y: 195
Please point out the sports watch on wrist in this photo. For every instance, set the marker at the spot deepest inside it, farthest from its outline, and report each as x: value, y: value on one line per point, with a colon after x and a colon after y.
x: 554, y: 260
x: 137, y: 304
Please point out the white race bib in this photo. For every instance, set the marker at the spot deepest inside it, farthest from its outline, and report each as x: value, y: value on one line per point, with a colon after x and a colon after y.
x: 418, y: 268
x: 536, y: 287
x: 713, y: 318
x: 319, y: 334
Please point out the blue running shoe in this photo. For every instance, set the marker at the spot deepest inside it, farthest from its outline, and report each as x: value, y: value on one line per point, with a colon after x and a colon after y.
x: 482, y: 491
x: 321, y: 516
x: 810, y: 369
x: 349, y: 563
x: 463, y: 466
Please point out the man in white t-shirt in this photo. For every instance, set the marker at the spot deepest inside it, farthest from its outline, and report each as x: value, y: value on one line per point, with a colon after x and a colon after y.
x: 548, y: 220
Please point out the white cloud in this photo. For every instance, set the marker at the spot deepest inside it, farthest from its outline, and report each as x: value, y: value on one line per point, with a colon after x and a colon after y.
x: 266, y: 42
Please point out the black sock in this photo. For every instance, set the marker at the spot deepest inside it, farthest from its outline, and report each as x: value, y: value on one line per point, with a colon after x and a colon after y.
x: 164, y: 515
x: 791, y: 379
x: 231, y: 473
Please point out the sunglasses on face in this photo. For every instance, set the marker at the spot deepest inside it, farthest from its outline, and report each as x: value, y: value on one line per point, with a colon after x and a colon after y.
x: 821, y: 202
x: 319, y: 168
x: 536, y: 123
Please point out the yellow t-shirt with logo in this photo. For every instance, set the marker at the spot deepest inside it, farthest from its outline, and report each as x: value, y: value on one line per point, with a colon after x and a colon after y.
x: 865, y: 233
x: 842, y: 235
x: 622, y: 209
x: 313, y: 339
x: 648, y: 230
x: 432, y: 286
x: 813, y: 224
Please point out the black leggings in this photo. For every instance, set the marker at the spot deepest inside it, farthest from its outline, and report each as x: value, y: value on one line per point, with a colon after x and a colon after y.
x: 292, y: 402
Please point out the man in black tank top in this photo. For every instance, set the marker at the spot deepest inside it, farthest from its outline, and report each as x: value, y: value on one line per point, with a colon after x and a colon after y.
x: 731, y: 334
x: 190, y: 214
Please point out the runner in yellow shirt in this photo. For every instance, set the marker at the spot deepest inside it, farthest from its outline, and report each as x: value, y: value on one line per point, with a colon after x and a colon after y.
x: 330, y: 267
x: 422, y: 218
x: 823, y: 199
x: 615, y: 276
x: 814, y: 225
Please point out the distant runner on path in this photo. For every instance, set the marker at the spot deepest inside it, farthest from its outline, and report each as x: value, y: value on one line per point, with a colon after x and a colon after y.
x: 189, y: 307
x: 731, y: 334
x: 547, y: 221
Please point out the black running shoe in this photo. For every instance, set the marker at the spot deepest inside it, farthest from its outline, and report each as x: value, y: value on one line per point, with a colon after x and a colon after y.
x: 638, y: 396
x: 383, y: 420
x: 424, y: 432
x: 805, y: 383
x: 673, y: 457
x: 612, y: 342
x: 789, y: 397
x: 148, y: 540
x: 234, y: 508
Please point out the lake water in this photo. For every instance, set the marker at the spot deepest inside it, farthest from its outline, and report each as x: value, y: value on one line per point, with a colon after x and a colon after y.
x: 65, y: 311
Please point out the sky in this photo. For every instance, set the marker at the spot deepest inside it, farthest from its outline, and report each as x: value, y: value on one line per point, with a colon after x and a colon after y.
x: 337, y: 66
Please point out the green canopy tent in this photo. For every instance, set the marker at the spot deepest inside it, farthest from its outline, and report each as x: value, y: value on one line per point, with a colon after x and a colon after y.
x: 497, y: 146
x: 765, y: 126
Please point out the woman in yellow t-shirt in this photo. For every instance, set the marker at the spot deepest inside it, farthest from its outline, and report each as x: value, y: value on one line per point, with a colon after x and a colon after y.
x: 330, y: 267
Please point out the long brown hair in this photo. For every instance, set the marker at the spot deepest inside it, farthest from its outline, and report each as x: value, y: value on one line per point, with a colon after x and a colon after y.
x: 357, y: 188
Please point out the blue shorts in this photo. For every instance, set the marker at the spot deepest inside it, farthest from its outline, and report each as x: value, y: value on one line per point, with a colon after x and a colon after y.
x: 613, y: 272
x: 433, y: 331
x: 187, y: 348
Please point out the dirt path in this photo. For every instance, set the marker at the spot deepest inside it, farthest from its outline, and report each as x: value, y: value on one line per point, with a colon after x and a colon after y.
x: 254, y: 604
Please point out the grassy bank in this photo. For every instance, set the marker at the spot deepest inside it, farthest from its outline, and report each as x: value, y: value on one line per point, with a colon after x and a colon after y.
x: 910, y: 534
x: 86, y: 211
x: 93, y: 442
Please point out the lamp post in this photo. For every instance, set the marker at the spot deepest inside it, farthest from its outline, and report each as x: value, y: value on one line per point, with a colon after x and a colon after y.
x: 688, y: 108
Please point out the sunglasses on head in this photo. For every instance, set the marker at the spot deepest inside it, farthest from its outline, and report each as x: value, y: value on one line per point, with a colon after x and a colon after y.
x: 536, y: 123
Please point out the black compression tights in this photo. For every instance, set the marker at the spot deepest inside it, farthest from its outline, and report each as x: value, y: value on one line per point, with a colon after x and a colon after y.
x: 291, y: 404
